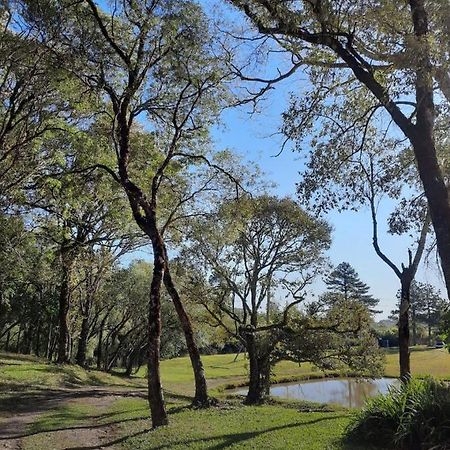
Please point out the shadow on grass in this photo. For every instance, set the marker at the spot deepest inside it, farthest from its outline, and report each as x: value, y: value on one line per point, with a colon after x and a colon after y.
x: 44, y: 399
x: 77, y: 427
x: 19, y: 357
x: 228, y: 439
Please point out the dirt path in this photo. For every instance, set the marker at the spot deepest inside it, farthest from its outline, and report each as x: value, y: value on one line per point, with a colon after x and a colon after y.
x: 19, y: 412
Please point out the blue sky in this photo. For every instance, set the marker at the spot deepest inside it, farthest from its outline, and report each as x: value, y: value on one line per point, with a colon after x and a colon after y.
x: 254, y: 138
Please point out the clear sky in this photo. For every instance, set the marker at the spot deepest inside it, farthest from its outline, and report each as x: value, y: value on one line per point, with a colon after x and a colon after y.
x: 253, y: 136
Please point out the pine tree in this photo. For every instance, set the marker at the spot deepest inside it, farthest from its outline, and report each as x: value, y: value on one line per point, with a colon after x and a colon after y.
x: 344, y: 281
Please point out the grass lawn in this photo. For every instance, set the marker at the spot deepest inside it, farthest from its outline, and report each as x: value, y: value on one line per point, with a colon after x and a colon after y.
x: 233, y: 425
x: 18, y: 372
x: 424, y: 361
x: 123, y: 422
x: 24, y: 372
x: 230, y: 425
x: 224, y: 371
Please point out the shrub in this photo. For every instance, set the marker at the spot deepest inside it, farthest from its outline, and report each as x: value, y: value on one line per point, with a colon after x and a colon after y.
x: 412, y: 416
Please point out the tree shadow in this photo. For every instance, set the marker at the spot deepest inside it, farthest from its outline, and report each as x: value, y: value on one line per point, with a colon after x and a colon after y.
x: 77, y: 427
x: 43, y: 400
x: 228, y: 439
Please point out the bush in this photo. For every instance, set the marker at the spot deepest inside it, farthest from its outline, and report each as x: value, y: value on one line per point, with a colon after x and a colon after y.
x: 412, y: 416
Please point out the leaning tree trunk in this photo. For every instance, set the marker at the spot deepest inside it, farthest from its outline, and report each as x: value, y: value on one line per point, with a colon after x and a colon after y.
x: 422, y: 139
x: 155, y: 395
x: 201, y: 389
x: 403, y: 331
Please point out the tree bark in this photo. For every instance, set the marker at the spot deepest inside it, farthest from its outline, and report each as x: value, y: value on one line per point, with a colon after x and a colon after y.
x: 99, y: 344
x: 64, y: 304
x: 259, y: 373
x: 37, y: 348
x: 403, y: 331
x: 83, y: 340
x: 201, y: 389
x: 155, y: 395
x: 414, y: 326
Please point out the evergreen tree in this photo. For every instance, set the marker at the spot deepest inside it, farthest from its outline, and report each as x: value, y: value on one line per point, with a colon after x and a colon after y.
x: 344, y: 281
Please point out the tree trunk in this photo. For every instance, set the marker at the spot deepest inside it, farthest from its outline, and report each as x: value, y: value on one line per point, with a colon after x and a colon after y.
x: 83, y: 339
x: 49, y: 340
x: 403, y: 331
x: 37, y: 348
x: 259, y: 373
x: 64, y: 303
x: 18, y: 339
x: 414, y: 326
x: 201, y: 388
x: 8, y: 337
x: 99, y: 344
x: 155, y: 395
x: 130, y: 363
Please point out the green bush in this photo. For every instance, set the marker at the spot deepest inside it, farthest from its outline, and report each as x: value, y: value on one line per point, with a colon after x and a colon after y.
x: 412, y: 416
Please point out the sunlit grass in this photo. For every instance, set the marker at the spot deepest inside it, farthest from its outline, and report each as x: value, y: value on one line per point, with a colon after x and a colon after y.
x: 233, y: 425
x: 424, y: 361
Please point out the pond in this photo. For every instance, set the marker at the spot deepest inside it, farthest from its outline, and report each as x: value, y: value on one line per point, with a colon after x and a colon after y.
x: 349, y: 392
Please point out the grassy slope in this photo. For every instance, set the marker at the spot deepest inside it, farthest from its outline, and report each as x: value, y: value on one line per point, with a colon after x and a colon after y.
x: 19, y: 372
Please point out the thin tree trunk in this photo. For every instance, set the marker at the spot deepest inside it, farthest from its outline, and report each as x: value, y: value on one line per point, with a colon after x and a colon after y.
x: 64, y: 303
x: 99, y: 344
x: 201, y: 388
x: 403, y: 331
x: 37, y: 350
x: 49, y: 340
x: 18, y: 339
x: 83, y: 340
x: 155, y: 395
x: 8, y: 336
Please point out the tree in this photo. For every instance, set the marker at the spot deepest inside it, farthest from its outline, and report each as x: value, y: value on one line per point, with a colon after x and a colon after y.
x: 37, y: 98
x: 143, y: 70
x: 250, y: 250
x: 427, y: 307
x: 345, y: 280
x: 336, y: 38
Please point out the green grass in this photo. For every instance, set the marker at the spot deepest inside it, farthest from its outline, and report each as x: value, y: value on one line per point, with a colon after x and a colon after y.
x: 424, y: 361
x: 24, y: 372
x: 19, y: 372
x: 61, y: 417
x: 280, y: 425
x: 232, y: 425
x: 223, y: 371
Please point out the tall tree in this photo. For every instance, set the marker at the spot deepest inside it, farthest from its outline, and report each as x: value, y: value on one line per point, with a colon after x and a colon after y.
x: 252, y: 247
x: 399, y: 65
x: 142, y: 70
x: 345, y: 280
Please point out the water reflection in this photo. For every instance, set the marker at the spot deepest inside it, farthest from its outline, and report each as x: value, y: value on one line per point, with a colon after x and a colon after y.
x: 350, y: 392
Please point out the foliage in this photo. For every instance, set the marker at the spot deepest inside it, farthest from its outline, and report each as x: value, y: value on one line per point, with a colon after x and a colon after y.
x: 344, y: 280
x: 413, y: 415
x: 427, y: 308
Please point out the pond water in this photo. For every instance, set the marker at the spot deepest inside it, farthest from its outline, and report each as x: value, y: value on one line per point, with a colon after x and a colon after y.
x: 349, y: 392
